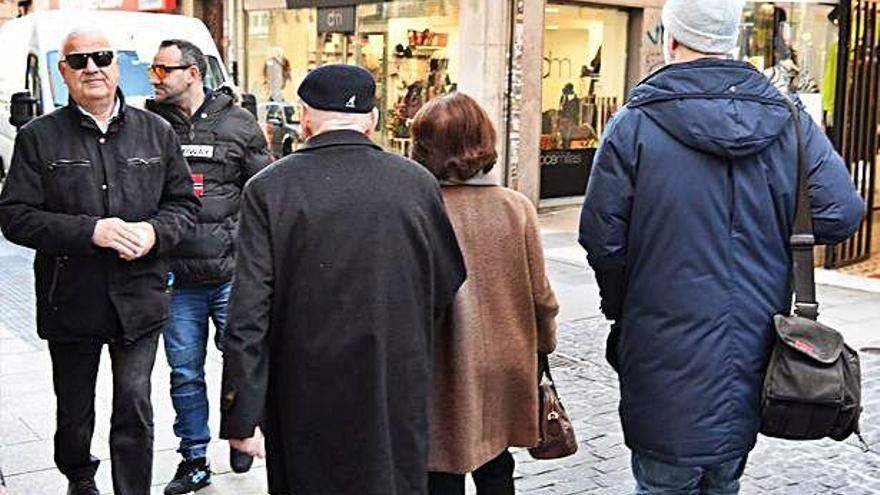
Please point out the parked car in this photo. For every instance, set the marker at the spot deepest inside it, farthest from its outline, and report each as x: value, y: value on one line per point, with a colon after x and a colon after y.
x: 281, y: 123
x: 31, y: 84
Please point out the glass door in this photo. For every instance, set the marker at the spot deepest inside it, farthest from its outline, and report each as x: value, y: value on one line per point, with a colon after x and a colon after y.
x: 584, y: 80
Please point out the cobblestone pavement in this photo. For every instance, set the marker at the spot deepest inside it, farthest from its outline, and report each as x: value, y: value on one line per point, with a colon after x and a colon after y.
x: 588, y: 388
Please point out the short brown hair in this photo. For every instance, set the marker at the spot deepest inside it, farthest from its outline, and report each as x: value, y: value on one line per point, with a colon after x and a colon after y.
x: 454, y: 138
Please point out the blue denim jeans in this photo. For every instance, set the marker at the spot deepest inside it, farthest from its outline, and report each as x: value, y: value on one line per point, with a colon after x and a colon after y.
x: 186, y: 345
x: 658, y: 478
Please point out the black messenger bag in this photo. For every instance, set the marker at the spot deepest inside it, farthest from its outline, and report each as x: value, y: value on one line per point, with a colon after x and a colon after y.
x: 813, y: 387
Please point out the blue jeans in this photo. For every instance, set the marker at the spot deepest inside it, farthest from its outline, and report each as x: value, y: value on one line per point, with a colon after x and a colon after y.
x: 186, y: 345
x: 658, y: 478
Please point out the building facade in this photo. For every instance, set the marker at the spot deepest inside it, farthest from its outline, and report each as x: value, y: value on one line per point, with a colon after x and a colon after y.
x: 537, y: 67
x: 551, y: 73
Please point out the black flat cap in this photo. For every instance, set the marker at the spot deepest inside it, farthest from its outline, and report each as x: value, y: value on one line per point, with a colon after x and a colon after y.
x: 339, y: 88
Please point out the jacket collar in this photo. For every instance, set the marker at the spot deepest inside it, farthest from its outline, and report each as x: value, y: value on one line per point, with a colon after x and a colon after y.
x: 337, y: 138
x: 480, y: 179
x: 88, y: 122
x: 214, y: 102
x: 704, y: 77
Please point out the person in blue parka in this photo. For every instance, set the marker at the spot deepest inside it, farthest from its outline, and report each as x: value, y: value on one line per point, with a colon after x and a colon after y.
x: 686, y: 223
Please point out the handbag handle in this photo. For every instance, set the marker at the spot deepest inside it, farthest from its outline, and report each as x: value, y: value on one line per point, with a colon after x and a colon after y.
x: 544, y: 367
x: 802, y: 240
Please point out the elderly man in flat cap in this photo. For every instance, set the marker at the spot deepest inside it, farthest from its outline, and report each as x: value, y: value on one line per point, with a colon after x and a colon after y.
x: 346, y: 257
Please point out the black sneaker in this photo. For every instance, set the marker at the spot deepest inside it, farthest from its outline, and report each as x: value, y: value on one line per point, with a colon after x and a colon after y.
x: 191, y: 476
x: 85, y: 486
x: 240, y: 462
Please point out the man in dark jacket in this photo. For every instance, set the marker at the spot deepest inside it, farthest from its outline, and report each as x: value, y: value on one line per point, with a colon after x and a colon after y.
x: 346, y: 257
x: 102, y: 192
x: 224, y: 147
x: 686, y: 223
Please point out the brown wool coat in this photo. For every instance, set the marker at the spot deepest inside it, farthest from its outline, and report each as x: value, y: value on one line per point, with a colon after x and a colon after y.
x: 485, y: 378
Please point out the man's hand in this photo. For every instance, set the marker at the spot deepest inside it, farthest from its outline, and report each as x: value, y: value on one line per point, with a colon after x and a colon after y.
x: 130, y: 240
x: 147, y: 235
x: 254, y: 445
x: 114, y: 233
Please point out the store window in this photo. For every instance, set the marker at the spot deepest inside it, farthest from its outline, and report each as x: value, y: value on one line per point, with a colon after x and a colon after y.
x: 795, y: 45
x: 582, y: 89
x: 410, y: 46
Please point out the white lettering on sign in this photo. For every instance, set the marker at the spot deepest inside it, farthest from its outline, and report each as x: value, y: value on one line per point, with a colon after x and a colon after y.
x: 197, y: 150
x: 334, y: 19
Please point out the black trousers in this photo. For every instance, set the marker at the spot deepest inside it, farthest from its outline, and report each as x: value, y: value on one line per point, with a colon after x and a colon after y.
x: 493, y: 478
x: 74, y: 372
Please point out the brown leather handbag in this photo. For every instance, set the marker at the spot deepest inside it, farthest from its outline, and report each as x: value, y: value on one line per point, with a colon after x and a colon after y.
x: 557, y: 438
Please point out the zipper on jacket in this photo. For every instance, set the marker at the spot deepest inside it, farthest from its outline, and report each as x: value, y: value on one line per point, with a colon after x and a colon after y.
x: 731, y: 204
x: 144, y: 162
x: 71, y: 163
x: 63, y: 163
x: 53, y: 285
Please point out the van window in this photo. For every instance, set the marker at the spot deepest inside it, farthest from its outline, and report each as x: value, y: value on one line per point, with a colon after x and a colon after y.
x: 214, y: 76
x: 133, y: 77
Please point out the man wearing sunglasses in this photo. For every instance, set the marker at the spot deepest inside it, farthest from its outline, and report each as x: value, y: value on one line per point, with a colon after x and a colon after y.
x: 224, y: 147
x: 102, y: 192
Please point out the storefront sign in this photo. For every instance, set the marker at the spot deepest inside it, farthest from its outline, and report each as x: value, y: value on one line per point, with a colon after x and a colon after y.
x: 133, y: 5
x: 299, y: 4
x: 336, y: 19
x: 565, y: 172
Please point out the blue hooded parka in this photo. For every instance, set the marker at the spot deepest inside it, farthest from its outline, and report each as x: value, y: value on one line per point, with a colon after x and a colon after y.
x: 686, y: 223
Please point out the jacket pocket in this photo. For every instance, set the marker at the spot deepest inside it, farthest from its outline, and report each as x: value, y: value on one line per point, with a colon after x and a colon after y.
x: 53, y: 282
x: 144, y: 162
x: 70, y: 186
x: 62, y: 164
x: 142, y: 182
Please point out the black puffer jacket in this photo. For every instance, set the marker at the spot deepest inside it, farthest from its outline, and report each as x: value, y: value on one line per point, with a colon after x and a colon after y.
x: 224, y: 147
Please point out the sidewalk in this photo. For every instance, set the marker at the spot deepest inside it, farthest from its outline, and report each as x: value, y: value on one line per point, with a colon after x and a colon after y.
x: 27, y: 403
x: 587, y: 385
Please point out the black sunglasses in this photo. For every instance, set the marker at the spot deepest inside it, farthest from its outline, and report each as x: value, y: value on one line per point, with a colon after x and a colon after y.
x: 77, y: 61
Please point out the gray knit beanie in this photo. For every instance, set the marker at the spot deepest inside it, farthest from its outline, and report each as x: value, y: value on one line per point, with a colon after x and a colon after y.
x: 707, y: 26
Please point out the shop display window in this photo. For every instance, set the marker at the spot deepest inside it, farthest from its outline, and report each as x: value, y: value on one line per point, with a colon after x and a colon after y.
x: 795, y: 45
x: 410, y: 46
x: 584, y: 83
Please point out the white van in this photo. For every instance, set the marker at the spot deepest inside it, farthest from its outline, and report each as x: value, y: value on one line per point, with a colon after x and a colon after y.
x: 30, y: 48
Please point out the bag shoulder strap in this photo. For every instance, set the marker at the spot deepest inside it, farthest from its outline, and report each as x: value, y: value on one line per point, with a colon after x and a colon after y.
x: 802, y: 240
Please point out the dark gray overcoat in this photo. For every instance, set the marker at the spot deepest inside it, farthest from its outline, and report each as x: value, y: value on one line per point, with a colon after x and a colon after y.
x: 346, y: 256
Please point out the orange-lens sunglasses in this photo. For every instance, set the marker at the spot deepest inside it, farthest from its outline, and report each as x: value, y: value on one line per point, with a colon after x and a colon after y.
x: 160, y: 72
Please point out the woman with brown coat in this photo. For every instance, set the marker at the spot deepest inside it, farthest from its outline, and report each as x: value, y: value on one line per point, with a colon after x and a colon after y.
x: 485, y: 375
